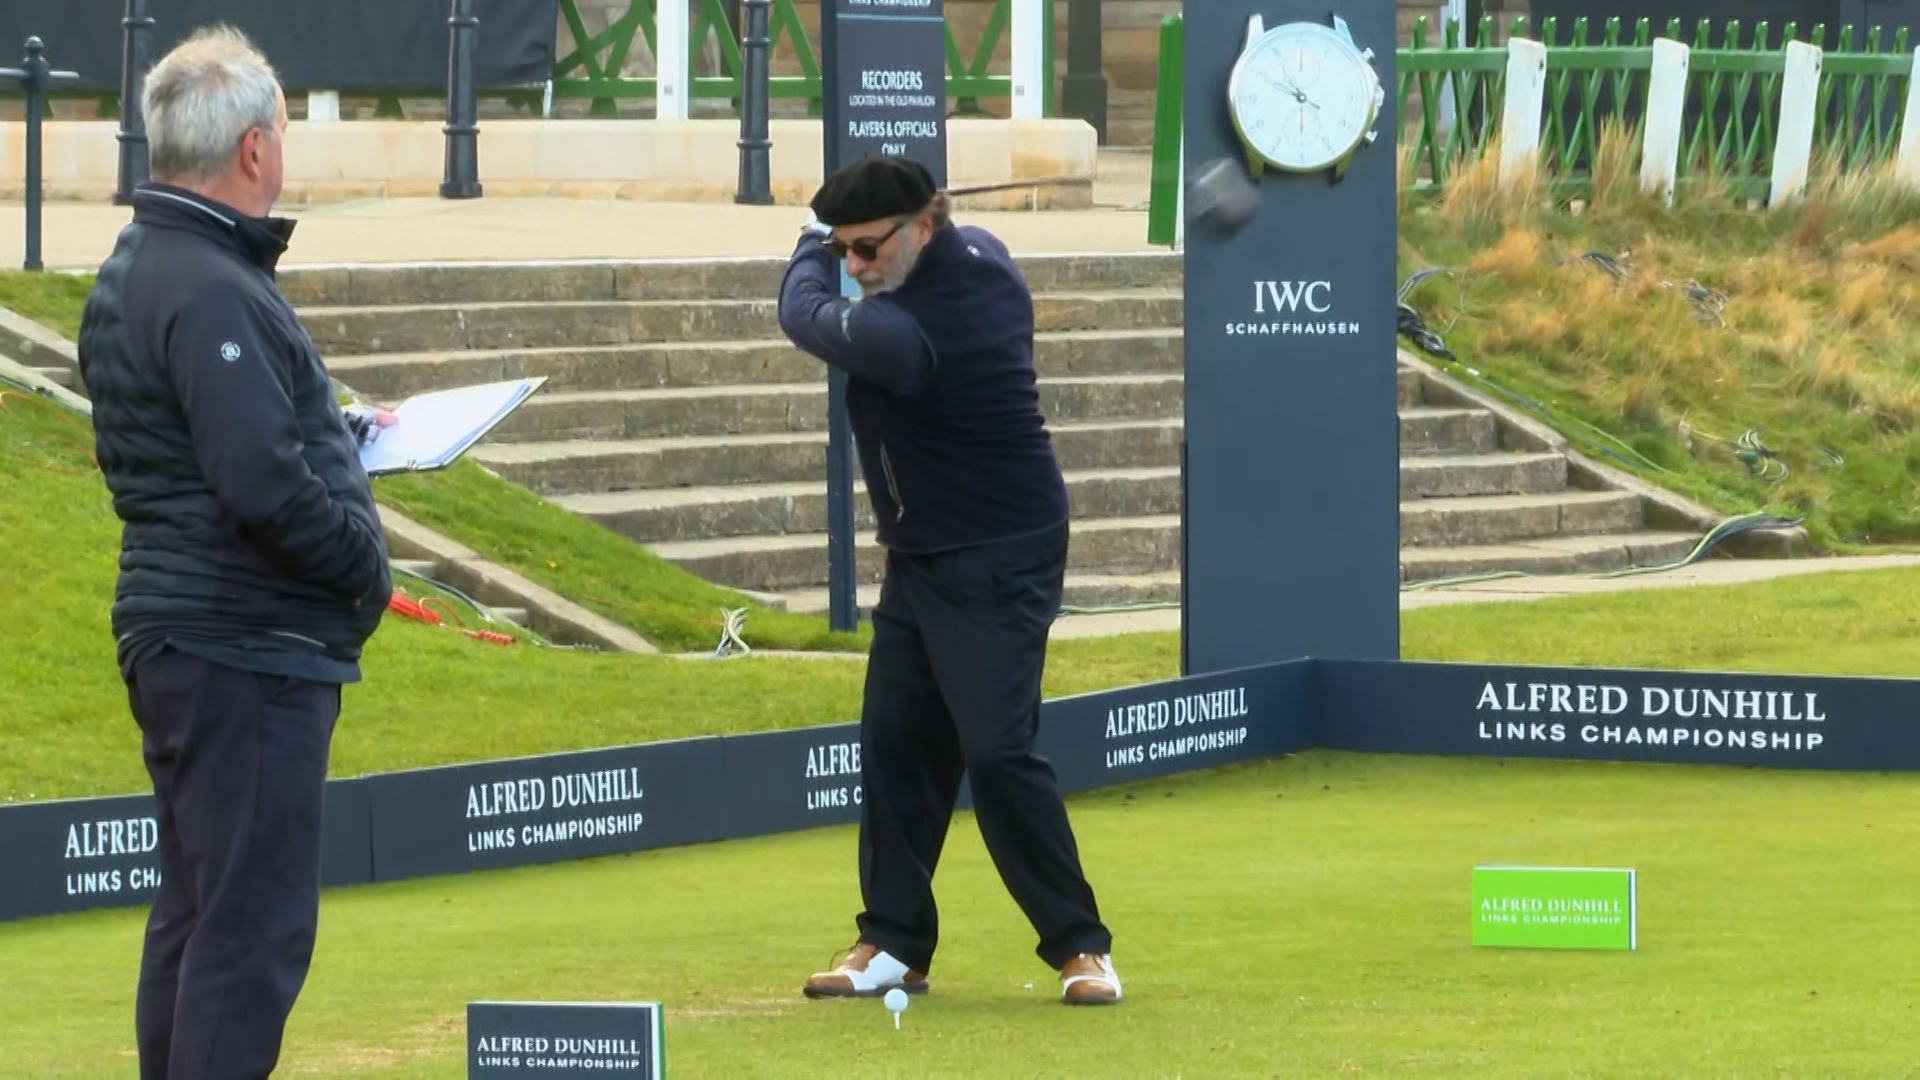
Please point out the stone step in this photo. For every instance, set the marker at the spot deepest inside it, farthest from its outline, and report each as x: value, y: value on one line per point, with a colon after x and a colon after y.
x: 58, y: 376
x: 1495, y: 519
x: 1548, y: 555
x: 1079, y: 591
x: 388, y: 377
x: 1130, y: 129
x: 1430, y: 476
x: 579, y: 466
x: 659, y: 279
x: 780, y: 563
x: 699, y: 513
x: 586, y: 465
x: 1407, y: 386
x: 744, y: 410
x: 1428, y: 429
x: 416, y: 568
x: 706, y: 513
x: 515, y: 615
x: 355, y: 331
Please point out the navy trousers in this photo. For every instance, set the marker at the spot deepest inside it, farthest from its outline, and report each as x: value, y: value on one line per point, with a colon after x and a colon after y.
x: 953, y: 686
x: 239, y: 767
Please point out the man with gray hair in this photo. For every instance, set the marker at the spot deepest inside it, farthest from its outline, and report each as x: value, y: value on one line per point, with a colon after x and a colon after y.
x: 252, y: 565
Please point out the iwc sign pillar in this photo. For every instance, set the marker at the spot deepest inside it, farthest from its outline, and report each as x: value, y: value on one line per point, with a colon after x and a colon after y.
x: 1292, y: 457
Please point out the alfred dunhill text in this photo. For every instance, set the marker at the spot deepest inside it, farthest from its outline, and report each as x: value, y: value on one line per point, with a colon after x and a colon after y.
x: 1656, y: 716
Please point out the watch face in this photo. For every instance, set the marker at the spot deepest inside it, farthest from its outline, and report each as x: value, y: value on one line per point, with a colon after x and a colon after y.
x: 1302, y: 97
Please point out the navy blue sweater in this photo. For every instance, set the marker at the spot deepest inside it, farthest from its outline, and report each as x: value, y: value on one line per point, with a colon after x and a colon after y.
x: 941, y: 391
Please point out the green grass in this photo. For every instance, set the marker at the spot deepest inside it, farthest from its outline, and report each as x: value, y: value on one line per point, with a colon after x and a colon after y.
x: 1822, y: 324
x: 1861, y: 623
x: 1300, y: 917
x: 592, y: 565
x: 1305, y: 915
x: 52, y: 300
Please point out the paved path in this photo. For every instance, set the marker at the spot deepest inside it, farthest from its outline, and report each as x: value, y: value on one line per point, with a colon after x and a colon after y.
x: 1710, y: 572
x: 79, y: 235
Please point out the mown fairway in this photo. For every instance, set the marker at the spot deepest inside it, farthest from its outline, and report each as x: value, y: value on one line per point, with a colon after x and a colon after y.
x: 1307, y: 916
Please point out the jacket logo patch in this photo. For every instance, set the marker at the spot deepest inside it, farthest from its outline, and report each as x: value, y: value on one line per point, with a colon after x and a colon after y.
x: 229, y: 351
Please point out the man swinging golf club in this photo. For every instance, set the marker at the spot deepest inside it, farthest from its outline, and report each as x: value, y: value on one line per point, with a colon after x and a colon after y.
x: 972, y: 510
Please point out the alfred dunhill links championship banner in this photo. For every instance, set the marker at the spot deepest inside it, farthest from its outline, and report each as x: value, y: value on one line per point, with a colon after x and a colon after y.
x: 75, y: 854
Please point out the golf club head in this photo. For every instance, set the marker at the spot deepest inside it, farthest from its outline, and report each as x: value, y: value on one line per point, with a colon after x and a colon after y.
x: 1221, y: 197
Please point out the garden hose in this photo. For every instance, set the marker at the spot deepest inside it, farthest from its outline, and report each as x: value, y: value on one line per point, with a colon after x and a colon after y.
x: 481, y: 609
x: 1719, y: 534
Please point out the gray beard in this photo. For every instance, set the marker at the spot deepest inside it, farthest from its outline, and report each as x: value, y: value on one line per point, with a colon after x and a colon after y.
x: 896, y: 271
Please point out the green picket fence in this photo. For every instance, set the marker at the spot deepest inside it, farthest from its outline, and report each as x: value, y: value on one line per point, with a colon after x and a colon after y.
x: 1594, y: 81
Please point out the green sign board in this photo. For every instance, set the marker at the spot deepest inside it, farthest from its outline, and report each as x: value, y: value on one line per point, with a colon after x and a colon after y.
x: 1548, y: 907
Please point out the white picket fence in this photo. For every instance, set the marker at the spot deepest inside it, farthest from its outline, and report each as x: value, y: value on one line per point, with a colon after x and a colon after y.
x: 1526, y: 89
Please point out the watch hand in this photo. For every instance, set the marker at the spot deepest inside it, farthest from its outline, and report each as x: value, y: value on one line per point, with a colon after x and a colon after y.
x: 1284, y: 87
x: 1289, y: 89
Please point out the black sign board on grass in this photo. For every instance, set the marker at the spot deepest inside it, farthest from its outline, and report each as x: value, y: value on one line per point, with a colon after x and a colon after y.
x: 511, y: 1039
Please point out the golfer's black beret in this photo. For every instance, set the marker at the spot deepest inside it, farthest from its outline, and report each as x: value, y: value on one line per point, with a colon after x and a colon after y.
x: 873, y: 188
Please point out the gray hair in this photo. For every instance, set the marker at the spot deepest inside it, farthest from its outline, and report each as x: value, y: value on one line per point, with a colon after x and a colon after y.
x: 201, y: 98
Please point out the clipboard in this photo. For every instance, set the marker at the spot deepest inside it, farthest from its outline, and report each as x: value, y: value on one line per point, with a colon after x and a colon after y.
x: 432, y: 430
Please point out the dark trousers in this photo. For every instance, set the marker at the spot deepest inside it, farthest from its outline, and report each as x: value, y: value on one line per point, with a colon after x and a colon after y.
x: 953, y: 684
x: 239, y: 767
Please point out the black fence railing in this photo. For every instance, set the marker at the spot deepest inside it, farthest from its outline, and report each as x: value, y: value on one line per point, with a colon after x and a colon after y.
x: 34, y: 76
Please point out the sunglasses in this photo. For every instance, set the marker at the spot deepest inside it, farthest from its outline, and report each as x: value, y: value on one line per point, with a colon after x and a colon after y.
x: 867, y: 247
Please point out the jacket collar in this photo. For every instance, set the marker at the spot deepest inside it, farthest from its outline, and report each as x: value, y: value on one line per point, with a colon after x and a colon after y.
x: 943, y: 247
x: 261, y: 241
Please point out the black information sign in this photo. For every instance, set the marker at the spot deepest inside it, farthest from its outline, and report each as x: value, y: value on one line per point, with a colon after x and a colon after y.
x: 510, y: 1039
x: 883, y: 63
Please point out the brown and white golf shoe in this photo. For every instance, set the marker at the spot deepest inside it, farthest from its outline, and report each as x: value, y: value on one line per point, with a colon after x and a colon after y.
x: 1089, y: 979
x: 867, y: 971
